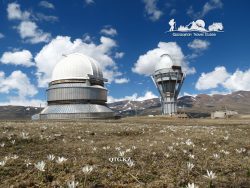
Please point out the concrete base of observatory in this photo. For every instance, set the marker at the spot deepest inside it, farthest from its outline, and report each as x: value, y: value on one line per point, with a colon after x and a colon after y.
x: 75, y: 111
x: 169, y: 106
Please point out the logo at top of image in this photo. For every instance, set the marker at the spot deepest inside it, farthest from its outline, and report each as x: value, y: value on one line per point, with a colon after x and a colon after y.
x: 195, y: 26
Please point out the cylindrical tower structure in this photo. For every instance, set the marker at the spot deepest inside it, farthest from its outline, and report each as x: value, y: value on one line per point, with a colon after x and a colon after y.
x: 76, y: 90
x: 168, y: 78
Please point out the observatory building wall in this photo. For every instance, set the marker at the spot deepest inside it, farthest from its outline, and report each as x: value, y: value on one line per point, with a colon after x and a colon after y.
x: 76, y: 91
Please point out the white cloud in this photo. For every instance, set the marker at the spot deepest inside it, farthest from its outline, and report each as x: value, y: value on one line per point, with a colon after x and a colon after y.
x: 108, y: 31
x: 1, y: 35
x: 215, y: 92
x: 23, y: 57
x: 146, y: 63
x: 19, y: 89
x: 46, y: 4
x: 199, y: 45
x: 148, y: 95
x: 17, y: 101
x: 47, y: 18
x: 211, y: 5
x: 208, y: 6
x: 87, y: 38
x: 107, y: 44
x: 239, y: 80
x: 152, y: 11
x: 121, y: 80
x: 51, y: 53
x: 188, y: 94
x: 17, y: 81
x: 15, y: 13
x: 212, y: 79
x: 119, y: 55
x: 172, y: 12
x: 29, y: 31
x: 88, y: 2
x: 134, y: 97
x: 211, y: 93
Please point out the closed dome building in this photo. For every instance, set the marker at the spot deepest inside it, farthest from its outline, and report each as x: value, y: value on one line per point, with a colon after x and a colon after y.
x: 168, y: 78
x: 76, y: 90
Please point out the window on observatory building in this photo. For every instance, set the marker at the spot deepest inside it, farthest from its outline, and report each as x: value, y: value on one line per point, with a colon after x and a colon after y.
x: 170, y: 87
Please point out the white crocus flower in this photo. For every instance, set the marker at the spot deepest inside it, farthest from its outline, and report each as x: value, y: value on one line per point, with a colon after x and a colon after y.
x: 166, y: 155
x: 171, y: 148
x: 2, y: 163
x: 27, y: 162
x: 128, y: 150
x: 7, y: 158
x: 118, y: 148
x: 72, y: 184
x: 121, y: 153
x: 191, y: 185
x: 189, y: 142
x: 40, y: 166
x: 130, y: 163
x: 191, y: 156
x: 51, y: 157
x: 14, y: 156
x: 210, y: 175
x: 216, y: 156
x: 25, y: 135
x: 190, y: 166
x: 87, y: 169
x: 61, y: 160
x: 241, y: 150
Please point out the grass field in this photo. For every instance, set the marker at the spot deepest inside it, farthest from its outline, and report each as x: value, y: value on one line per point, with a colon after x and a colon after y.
x: 131, y: 152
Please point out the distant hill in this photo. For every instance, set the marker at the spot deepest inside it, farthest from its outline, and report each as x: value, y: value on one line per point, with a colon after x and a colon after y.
x: 18, y: 112
x: 238, y: 101
x: 199, y: 106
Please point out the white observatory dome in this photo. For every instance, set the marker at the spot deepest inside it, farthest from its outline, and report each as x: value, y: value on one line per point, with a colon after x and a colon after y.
x: 76, y: 66
x: 165, y: 62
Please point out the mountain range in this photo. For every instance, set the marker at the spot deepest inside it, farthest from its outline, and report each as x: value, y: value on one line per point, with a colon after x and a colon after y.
x: 200, y: 105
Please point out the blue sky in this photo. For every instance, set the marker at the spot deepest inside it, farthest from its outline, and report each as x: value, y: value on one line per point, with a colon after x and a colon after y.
x: 124, y: 37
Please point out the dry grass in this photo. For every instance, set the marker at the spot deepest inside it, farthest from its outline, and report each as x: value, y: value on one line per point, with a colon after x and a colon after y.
x: 160, y: 149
